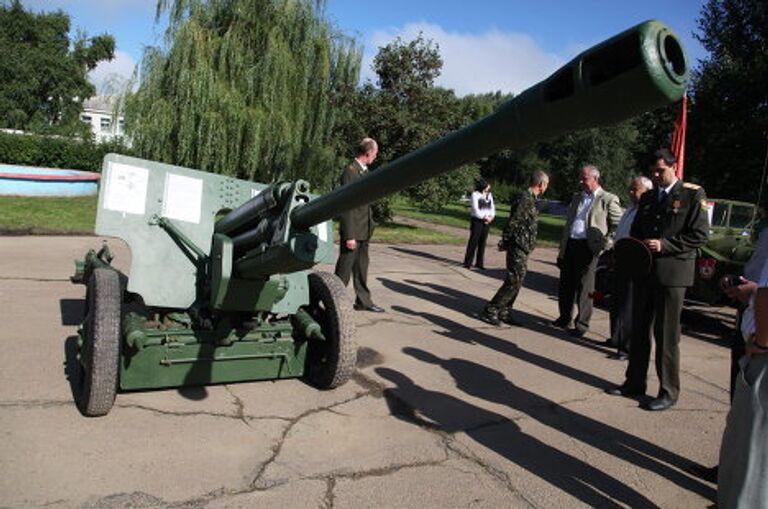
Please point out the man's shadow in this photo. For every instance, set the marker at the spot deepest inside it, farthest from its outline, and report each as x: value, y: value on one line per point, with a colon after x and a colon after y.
x: 458, y: 332
x: 536, y: 281
x: 462, y: 302
x: 491, y: 385
x: 435, y: 410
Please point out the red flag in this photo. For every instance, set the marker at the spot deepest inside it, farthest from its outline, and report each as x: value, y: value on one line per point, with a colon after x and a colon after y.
x: 678, y: 136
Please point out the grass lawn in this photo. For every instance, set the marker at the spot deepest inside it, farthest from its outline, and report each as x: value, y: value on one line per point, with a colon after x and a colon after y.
x: 67, y: 216
x: 394, y: 233
x: 40, y: 216
x: 457, y: 214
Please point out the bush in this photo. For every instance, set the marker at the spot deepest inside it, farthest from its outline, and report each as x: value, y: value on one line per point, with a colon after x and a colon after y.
x: 503, y: 192
x: 56, y: 151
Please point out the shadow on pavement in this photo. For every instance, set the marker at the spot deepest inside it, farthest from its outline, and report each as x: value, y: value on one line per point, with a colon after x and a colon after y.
x: 435, y: 410
x: 572, y: 475
x: 536, y: 281
x: 471, y: 305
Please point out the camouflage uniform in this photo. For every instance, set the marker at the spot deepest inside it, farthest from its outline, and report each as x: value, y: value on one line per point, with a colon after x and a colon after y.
x: 518, y: 240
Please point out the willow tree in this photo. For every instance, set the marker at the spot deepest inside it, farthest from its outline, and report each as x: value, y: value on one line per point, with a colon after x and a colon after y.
x: 244, y: 88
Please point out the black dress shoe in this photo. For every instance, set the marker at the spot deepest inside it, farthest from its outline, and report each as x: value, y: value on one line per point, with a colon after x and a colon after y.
x: 658, y: 404
x: 619, y: 356
x: 489, y: 318
x: 510, y: 321
x: 623, y: 390
x: 561, y: 322
x: 577, y: 333
x: 372, y: 308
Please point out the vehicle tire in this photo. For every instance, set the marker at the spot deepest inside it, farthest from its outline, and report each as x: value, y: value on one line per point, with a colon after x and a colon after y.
x: 331, y: 362
x: 100, y: 352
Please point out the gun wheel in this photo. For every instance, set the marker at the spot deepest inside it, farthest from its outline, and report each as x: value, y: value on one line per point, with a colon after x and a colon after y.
x: 331, y: 362
x: 100, y: 351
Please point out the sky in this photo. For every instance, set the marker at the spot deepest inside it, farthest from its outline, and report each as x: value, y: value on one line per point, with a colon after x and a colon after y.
x: 486, y: 45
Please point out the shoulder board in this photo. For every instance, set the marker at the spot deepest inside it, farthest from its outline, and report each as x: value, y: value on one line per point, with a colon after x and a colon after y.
x: 690, y: 185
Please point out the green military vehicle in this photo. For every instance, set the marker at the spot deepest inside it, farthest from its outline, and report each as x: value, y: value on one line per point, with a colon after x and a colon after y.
x: 732, y: 224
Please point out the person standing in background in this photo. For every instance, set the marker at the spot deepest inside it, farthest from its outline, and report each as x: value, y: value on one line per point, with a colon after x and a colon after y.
x: 592, y: 218
x: 621, y: 305
x: 482, y: 212
x: 355, y: 231
x: 518, y: 239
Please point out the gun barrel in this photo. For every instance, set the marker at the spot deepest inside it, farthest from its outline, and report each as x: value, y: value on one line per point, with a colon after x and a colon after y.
x: 250, y: 210
x: 638, y: 70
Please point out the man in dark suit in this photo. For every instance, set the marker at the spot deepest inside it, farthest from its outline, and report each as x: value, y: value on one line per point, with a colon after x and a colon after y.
x: 592, y: 218
x: 355, y: 229
x: 672, y: 222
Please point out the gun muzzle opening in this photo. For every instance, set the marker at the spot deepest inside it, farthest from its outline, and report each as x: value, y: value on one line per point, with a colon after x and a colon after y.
x: 673, y: 57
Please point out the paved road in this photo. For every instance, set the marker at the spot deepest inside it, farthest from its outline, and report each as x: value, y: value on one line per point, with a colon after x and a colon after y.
x: 444, y: 411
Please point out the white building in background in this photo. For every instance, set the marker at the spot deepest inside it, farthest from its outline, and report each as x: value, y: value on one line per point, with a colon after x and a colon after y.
x: 98, y: 112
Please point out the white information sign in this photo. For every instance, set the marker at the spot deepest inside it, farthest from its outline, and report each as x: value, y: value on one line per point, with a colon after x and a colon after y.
x: 183, y: 198
x: 126, y: 188
x: 322, y: 231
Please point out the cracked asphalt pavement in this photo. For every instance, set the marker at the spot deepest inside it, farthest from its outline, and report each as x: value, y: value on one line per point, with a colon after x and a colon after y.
x: 444, y: 410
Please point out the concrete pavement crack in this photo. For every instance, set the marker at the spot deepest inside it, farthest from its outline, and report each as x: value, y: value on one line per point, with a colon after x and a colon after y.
x: 330, y: 498
x: 198, y: 413
x: 257, y: 482
x: 447, y: 438
x: 239, y: 405
x: 35, y: 279
x: 36, y: 403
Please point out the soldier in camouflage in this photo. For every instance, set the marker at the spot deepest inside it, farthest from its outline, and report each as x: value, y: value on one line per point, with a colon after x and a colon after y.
x: 518, y: 240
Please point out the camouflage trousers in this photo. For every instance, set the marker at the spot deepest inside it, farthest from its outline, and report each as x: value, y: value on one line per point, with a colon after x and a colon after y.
x: 501, y: 303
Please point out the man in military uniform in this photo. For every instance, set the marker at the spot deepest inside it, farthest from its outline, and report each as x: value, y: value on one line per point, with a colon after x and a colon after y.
x: 672, y: 223
x: 355, y: 229
x: 518, y: 240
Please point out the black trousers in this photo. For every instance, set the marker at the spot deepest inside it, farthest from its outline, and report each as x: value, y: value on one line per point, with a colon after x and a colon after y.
x: 657, y: 310
x: 478, y: 236
x: 354, y: 263
x: 577, y: 282
x: 621, y: 312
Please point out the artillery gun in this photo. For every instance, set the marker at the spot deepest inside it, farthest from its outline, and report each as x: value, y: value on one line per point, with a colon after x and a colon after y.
x: 220, y: 288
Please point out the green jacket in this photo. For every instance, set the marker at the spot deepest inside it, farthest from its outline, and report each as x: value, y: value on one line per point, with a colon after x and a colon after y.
x: 682, y: 224
x: 356, y: 223
x: 521, y: 229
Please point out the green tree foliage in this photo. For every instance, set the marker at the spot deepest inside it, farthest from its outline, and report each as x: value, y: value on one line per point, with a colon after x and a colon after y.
x: 57, y: 151
x: 43, y: 73
x: 247, y: 88
x: 406, y: 111
x: 728, y: 134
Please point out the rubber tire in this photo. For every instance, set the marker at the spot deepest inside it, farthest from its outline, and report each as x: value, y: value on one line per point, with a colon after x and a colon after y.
x: 331, y: 362
x: 101, y: 358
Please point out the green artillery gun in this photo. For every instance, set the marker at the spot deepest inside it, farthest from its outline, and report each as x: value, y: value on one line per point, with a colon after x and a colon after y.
x: 220, y: 288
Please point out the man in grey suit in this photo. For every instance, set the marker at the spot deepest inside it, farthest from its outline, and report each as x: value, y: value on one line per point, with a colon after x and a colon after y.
x: 355, y: 230
x: 593, y: 216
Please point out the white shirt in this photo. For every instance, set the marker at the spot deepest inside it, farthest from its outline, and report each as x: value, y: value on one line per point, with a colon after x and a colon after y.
x: 748, y: 318
x: 579, y: 226
x: 482, y: 210
x: 666, y: 190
